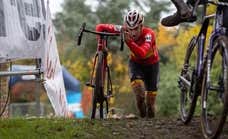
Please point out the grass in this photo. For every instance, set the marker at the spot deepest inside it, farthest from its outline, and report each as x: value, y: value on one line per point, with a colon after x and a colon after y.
x: 53, y: 128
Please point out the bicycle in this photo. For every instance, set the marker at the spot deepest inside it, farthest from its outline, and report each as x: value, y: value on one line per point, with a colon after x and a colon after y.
x: 100, y: 78
x: 202, y: 76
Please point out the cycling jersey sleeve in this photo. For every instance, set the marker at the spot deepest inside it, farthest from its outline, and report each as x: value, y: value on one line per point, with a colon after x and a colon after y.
x: 111, y: 28
x: 144, y: 50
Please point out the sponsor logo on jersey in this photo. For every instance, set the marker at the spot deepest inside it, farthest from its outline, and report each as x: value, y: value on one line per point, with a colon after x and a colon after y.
x: 148, y: 38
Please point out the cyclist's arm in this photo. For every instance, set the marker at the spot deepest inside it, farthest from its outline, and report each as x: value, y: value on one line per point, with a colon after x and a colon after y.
x: 144, y: 50
x: 111, y: 28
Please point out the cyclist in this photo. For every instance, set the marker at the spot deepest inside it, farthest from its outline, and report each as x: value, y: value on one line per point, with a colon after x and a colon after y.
x: 183, y: 14
x: 144, y: 59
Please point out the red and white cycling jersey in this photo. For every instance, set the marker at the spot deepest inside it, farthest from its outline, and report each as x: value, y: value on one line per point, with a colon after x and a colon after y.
x: 144, y: 50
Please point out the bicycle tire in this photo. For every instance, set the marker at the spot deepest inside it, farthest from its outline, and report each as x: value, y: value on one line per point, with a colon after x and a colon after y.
x: 98, y: 91
x: 188, y: 96
x: 211, y: 125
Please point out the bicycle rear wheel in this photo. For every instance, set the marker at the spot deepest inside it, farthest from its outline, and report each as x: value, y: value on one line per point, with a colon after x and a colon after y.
x: 187, y: 84
x: 98, y: 91
x: 215, y: 90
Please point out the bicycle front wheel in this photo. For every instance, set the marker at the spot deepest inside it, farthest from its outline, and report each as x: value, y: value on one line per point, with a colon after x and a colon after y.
x: 215, y: 90
x: 98, y: 91
x: 187, y: 83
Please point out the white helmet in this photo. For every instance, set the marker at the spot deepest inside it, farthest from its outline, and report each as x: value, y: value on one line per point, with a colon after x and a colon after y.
x: 133, y: 19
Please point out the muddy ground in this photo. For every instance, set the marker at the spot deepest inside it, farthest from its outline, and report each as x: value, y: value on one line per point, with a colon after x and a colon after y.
x: 157, y: 128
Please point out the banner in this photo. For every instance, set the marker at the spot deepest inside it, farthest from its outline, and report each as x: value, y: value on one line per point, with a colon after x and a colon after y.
x: 53, y: 72
x: 22, y: 29
x: 26, y: 32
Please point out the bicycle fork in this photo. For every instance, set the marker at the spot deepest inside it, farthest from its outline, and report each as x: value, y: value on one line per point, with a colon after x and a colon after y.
x: 109, y: 84
x: 90, y: 83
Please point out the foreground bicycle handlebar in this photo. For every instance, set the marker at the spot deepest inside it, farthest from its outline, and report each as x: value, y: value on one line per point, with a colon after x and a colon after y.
x: 83, y: 29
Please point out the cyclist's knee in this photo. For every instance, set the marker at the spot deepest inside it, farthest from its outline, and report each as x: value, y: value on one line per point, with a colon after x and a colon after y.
x: 138, y: 87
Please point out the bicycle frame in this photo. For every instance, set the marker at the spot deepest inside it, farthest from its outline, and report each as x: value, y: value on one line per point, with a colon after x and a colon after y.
x: 201, y: 39
x: 197, y: 80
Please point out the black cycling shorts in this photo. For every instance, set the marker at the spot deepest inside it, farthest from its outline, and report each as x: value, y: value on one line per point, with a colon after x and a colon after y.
x: 148, y: 73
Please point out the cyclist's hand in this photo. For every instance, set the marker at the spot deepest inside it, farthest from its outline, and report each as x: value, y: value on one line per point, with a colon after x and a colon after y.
x: 124, y: 28
x: 127, y: 36
x: 126, y: 33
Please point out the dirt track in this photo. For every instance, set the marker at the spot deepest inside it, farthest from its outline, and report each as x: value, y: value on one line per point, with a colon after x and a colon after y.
x: 158, y: 128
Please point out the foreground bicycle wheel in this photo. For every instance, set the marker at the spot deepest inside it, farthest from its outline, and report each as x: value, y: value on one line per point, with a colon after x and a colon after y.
x: 214, y: 91
x: 187, y: 84
x: 98, y: 91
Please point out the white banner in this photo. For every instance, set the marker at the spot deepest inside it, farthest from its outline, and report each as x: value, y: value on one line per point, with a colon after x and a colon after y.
x: 26, y: 31
x: 53, y: 72
x: 22, y: 29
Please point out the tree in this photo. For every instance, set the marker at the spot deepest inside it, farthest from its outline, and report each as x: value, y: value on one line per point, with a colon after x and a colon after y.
x: 166, y: 41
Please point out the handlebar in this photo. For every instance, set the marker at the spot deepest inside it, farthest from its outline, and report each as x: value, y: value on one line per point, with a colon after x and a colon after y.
x: 83, y: 29
x: 217, y: 3
x: 80, y: 34
x: 205, y: 2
